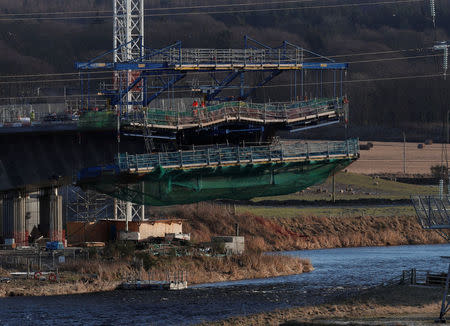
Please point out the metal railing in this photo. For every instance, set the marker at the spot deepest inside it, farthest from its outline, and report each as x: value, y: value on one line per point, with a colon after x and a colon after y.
x: 186, y: 56
x: 237, y: 155
x: 433, y: 212
x: 239, y: 110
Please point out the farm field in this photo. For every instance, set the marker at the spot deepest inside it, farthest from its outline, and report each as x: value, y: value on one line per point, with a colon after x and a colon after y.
x: 387, y: 157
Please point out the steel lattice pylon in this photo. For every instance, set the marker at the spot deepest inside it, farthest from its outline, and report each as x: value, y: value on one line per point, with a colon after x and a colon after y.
x: 128, y: 44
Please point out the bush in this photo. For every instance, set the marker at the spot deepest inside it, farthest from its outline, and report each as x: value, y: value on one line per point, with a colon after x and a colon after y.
x: 439, y: 171
x: 119, y: 249
x: 148, y: 261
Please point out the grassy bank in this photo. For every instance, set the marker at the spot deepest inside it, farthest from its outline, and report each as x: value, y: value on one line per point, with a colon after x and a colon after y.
x: 99, y: 275
x: 351, y: 186
x: 396, y: 305
x: 272, y: 229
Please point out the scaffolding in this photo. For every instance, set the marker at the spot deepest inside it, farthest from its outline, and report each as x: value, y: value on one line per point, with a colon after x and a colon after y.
x: 433, y: 213
x: 157, y: 71
x: 236, y: 155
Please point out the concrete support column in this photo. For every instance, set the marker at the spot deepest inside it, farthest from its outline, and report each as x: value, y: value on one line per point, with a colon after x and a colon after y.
x: 128, y: 214
x: 20, y: 234
x: 56, y: 220
x: 1, y: 220
x: 142, y: 212
x: 8, y: 218
x: 44, y: 212
x: 142, y: 208
x: 115, y: 209
x: 50, y: 211
x: 13, y: 220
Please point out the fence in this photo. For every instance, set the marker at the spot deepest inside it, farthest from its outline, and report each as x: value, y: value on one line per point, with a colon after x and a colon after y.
x: 236, y: 155
x: 186, y: 56
x: 432, y: 211
x: 252, y: 112
x: 33, y: 260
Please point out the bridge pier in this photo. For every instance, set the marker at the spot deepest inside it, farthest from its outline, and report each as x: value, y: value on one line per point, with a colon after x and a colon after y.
x: 13, y: 219
x: 50, y: 213
x: 1, y: 220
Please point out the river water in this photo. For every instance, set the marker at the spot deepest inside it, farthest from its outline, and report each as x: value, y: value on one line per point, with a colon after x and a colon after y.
x: 336, y: 270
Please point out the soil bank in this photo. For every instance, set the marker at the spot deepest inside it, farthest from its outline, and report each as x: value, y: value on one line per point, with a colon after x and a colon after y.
x: 394, y: 305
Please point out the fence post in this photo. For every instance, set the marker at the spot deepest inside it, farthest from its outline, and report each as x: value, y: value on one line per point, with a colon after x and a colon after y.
x: 413, y: 276
x: 307, y: 151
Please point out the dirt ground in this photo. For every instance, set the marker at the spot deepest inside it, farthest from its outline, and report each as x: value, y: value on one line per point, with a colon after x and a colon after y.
x: 387, y: 157
x: 394, y: 305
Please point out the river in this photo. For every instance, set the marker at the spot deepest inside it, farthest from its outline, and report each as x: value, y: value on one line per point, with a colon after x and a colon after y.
x: 336, y: 270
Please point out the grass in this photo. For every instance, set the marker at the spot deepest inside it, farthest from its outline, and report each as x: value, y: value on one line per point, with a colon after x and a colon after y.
x: 290, y: 212
x: 362, y: 187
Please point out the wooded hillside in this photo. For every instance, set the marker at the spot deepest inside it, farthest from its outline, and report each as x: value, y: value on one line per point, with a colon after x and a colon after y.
x: 33, y: 46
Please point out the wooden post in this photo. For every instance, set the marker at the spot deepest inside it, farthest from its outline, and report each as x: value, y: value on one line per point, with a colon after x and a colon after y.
x: 334, y: 188
x: 404, y: 153
x: 444, y: 305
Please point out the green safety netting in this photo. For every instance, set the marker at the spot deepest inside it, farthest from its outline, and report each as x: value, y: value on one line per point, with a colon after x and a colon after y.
x: 163, y: 187
x: 98, y: 120
x: 170, y: 116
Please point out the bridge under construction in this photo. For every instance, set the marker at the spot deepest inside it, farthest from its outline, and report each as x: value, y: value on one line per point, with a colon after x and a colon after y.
x: 204, y: 124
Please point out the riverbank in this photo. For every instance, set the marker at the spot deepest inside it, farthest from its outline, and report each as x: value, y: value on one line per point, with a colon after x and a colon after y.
x: 393, y: 305
x: 278, y: 229
x: 99, y: 276
x: 275, y: 227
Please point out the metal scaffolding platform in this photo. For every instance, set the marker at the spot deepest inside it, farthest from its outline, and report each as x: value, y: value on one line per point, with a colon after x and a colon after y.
x: 207, y: 156
x: 226, y: 156
x: 178, y: 58
x: 157, y: 71
x: 289, y: 114
x: 433, y: 213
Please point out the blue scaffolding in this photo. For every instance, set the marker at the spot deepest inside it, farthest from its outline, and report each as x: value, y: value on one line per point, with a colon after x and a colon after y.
x: 169, y: 65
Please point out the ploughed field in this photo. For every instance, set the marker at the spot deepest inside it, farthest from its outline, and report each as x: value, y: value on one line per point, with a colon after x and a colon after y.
x: 386, y: 157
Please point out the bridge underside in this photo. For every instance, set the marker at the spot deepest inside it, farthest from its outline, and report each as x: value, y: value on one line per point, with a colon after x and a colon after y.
x: 32, y: 161
x: 240, y: 182
x: 219, y: 172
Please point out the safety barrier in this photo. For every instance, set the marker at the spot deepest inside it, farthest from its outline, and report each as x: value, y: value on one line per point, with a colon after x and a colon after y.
x: 236, y: 155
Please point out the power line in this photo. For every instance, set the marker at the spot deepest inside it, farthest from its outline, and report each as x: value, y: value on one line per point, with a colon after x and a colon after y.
x: 344, y: 55
x: 111, y: 71
x: 160, y: 8
x: 169, y: 75
x: 349, y: 5
x: 365, y: 80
